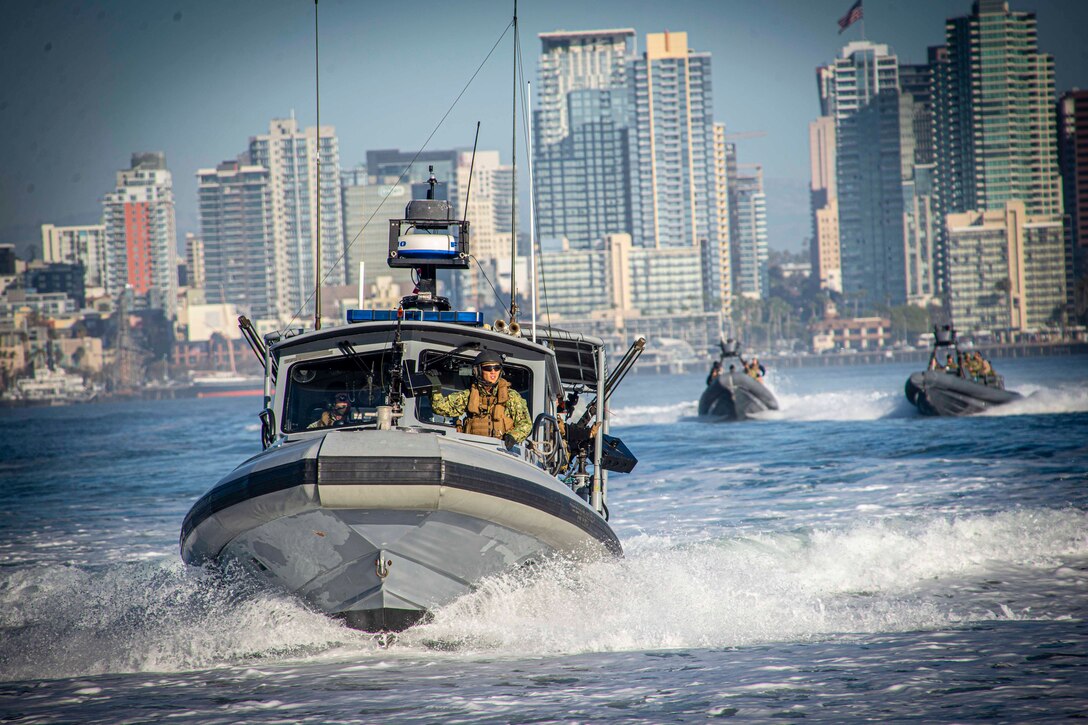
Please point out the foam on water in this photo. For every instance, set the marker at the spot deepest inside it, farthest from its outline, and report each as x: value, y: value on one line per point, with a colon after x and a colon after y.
x: 64, y: 621
x: 633, y: 415
x: 859, y: 405
x: 871, y: 578
x: 1041, y: 401
x: 883, y: 577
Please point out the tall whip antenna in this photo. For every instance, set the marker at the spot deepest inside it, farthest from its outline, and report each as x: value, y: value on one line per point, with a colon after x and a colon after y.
x: 532, y: 203
x: 317, y: 181
x: 514, y: 184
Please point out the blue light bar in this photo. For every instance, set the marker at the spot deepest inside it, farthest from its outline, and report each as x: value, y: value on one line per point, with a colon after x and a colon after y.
x: 475, y: 319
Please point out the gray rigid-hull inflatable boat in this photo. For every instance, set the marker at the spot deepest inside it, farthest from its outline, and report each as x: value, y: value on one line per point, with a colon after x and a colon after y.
x: 936, y: 392
x: 952, y: 393
x: 378, y: 521
x: 734, y: 395
x: 373, y: 507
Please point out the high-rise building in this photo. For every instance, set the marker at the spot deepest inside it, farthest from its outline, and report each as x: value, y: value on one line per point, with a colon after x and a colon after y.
x: 369, y: 204
x: 864, y: 101
x: 673, y: 195
x: 1073, y: 157
x: 581, y: 136
x: 578, y: 281
x: 823, y: 202
x: 236, y: 227
x: 406, y: 167
x: 194, y: 261
x: 292, y: 157
x: 750, y: 244
x: 141, y: 236
x: 85, y: 245
x: 1006, y: 269
x: 917, y: 154
x: 720, y: 255
x: 486, y: 203
x: 993, y: 150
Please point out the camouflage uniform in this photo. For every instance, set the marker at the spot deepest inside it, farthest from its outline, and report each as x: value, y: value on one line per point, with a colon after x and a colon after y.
x: 492, y: 412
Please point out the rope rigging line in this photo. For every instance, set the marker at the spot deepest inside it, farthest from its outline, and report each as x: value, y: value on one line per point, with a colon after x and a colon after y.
x: 497, y: 295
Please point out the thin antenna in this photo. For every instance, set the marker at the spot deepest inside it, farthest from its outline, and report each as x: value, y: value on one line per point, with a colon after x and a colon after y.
x: 532, y: 211
x: 471, y: 166
x: 317, y: 181
x: 514, y: 184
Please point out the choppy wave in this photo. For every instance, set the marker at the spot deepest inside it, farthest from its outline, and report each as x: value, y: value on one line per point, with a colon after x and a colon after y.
x: 859, y: 405
x: 870, y: 578
x: 1041, y: 400
x: 887, y: 577
x: 63, y: 621
x: 633, y: 415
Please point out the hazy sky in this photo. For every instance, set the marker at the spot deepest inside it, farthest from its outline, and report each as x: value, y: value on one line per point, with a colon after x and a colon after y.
x: 84, y: 83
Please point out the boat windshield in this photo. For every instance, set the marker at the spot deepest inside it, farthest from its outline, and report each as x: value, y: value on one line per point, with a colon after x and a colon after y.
x: 456, y: 374
x: 317, y: 391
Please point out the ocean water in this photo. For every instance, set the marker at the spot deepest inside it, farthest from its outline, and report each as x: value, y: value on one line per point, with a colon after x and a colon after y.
x: 840, y: 559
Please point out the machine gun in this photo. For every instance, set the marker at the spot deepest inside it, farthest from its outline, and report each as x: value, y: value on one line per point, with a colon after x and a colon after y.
x: 615, y: 456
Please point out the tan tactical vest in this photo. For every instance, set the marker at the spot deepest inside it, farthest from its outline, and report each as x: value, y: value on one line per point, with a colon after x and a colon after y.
x: 487, y: 411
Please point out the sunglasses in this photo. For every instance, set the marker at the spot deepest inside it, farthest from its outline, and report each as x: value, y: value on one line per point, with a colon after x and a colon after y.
x: 490, y: 368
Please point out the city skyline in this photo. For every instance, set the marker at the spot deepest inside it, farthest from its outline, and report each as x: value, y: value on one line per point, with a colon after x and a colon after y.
x: 86, y: 84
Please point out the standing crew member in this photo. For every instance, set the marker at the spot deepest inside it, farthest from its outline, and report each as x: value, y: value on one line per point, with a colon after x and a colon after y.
x: 490, y: 406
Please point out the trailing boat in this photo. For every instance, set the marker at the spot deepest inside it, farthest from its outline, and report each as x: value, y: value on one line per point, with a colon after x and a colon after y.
x: 225, y: 384
x: 731, y: 392
x: 958, y: 386
x: 373, y: 507
x: 49, y: 385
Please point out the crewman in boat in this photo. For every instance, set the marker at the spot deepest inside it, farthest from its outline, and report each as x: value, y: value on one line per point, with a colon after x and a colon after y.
x: 986, y: 369
x: 982, y: 368
x: 755, y: 369
x: 973, y: 364
x: 950, y: 365
x: 337, y: 415
x: 715, y: 371
x: 490, y: 406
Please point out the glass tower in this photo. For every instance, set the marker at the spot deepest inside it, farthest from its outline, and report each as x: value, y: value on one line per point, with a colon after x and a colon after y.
x: 581, y: 137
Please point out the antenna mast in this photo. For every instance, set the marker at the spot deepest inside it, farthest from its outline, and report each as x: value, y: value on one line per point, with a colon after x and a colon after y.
x: 317, y: 181
x: 514, y: 184
x: 532, y: 205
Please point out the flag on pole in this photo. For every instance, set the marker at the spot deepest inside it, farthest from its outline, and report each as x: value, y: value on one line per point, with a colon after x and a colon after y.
x: 854, y: 14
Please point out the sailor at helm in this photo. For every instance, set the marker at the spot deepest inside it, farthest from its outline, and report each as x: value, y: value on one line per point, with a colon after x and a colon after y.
x: 490, y: 406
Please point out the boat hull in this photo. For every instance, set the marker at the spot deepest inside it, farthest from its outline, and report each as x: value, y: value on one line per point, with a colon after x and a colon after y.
x: 937, y: 393
x: 735, y: 396
x: 379, y: 527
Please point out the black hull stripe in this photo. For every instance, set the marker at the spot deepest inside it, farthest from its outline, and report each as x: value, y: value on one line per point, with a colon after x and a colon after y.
x: 228, y: 493
x: 401, y: 471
